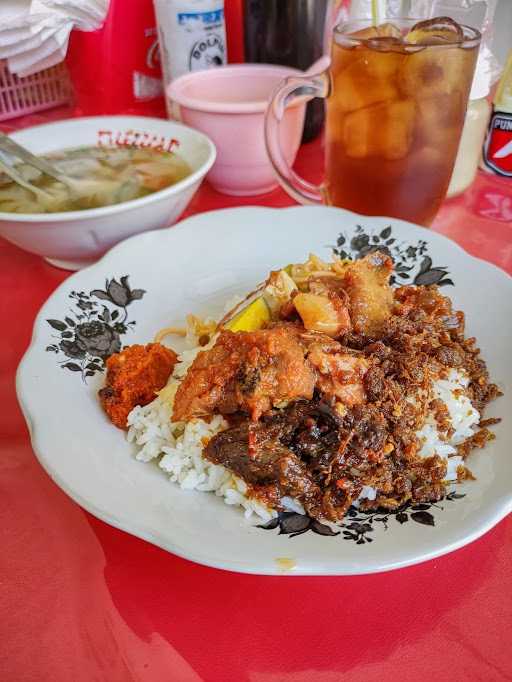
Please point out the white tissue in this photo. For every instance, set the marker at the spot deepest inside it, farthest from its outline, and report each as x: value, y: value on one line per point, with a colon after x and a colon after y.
x: 34, y: 35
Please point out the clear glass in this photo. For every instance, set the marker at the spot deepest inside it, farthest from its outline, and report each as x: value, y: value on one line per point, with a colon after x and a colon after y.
x: 395, y: 113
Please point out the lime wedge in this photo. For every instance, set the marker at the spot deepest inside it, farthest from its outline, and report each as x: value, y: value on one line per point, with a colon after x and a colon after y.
x: 251, y: 318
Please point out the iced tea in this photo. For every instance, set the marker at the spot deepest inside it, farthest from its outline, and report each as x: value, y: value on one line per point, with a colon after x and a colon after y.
x: 395, y: 115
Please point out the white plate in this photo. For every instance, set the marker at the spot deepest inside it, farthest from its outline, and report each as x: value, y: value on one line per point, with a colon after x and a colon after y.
x: 195, y: 267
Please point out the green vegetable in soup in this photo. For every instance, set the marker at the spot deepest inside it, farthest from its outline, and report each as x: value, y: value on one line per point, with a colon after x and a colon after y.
x: 103, y: 175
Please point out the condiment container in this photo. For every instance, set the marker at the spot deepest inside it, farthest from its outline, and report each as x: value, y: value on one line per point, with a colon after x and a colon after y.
x: 498, y: 146
x: 475, y: 129
x: 192, y: 36
x: 116, y: 69
x: 470, y: 147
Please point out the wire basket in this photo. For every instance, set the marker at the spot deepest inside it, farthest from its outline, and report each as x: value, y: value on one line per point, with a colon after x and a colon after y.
x: 42, y: 90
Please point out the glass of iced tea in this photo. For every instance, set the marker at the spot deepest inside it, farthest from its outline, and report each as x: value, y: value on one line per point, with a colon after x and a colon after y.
x: 396, y: 102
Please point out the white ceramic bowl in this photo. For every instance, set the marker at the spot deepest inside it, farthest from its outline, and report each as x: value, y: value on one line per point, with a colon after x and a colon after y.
x: 74, y: 239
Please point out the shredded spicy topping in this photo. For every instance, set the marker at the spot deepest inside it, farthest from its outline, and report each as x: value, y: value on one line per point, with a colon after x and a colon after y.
x: 326, y: 398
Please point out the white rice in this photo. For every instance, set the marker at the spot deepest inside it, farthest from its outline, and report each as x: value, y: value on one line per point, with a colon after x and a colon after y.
x: 178, y: 447
x: 463, y: 417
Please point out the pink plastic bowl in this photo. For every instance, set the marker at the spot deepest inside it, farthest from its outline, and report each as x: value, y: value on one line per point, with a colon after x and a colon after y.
x: 228, y: 104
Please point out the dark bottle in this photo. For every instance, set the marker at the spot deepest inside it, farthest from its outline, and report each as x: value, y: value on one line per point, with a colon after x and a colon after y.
x: 290, y: 33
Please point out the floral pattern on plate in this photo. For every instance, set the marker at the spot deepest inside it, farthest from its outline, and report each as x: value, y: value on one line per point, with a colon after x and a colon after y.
x: 91, y: 331
x: 357, y: 524
x: 236, y: 246
x: 413, y: 265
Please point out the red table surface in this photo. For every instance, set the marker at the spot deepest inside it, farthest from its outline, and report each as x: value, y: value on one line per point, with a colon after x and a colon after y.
x: 81, y: 601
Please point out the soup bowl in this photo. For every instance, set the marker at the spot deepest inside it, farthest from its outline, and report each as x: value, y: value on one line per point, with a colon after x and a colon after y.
x: 75, y: 239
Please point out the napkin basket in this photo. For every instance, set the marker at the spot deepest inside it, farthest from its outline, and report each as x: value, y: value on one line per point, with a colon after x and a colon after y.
x: 42, y: 90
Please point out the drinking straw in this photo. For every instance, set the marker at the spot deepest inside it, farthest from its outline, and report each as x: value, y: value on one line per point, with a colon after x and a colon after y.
x: 378, y: 11
x: 375, y: 13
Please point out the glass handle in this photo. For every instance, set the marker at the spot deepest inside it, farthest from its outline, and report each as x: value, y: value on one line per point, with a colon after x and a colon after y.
x: 294, y: 88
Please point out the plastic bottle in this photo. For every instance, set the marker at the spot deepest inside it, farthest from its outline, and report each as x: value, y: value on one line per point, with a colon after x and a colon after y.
x: 473, y: 134
x: 497, y: 155
x: 470, y: 147
x: 291, y: 33
x: 192, y: 36
x: 116, y: 69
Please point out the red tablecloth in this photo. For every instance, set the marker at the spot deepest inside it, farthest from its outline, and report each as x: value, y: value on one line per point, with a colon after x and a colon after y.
x: 83, y: 602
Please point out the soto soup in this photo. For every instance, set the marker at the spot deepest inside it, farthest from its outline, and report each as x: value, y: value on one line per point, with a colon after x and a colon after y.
x: 102, y: 176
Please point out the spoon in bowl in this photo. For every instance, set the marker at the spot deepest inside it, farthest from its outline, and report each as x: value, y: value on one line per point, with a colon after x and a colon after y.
x: 11, y: 172
x: 8, y: 146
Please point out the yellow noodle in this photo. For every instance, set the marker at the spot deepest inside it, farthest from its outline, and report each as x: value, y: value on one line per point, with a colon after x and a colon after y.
x: 166, y: 331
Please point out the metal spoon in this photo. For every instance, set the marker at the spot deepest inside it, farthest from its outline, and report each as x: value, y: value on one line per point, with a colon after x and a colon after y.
x: 78, y: 188
x: 8, y: 146
x: 20, y: 180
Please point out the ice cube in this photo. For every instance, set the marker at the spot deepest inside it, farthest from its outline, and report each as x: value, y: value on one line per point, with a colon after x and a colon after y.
x: 440, y: 122
x: 428, y: 158
x: 429, y: 162
x: 443, y: 112
x: 384, y: 130
x: 433, y: 71
x: 366, y: 81
x: 341, y: 58
x: 365, y: 33
x: 334, y: 123
x: 379, y: 65
x: 389, y: 31
x: 386, y: 44
x: 440, y: 30
x: 382, y: 31
x: 438, y: 127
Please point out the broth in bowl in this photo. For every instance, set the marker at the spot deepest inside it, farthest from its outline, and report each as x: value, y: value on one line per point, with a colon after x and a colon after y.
x: 102, y: 176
